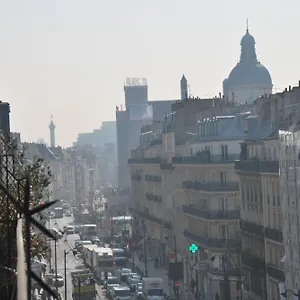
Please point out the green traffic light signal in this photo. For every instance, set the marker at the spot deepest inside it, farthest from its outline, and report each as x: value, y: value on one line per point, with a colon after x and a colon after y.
x: 193, y: 248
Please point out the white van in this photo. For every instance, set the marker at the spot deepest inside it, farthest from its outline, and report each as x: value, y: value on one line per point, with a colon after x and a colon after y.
x: 120, y: 293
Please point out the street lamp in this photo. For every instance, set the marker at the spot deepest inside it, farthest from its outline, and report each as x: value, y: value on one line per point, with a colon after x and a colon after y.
x: 65, y: 269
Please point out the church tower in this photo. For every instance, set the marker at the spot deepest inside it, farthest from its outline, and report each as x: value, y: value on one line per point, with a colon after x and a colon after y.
x: 183, y: 88
x: 52, y: 133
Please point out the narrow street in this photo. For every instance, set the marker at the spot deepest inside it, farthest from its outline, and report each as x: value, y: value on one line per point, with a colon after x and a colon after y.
x: 72, y: 262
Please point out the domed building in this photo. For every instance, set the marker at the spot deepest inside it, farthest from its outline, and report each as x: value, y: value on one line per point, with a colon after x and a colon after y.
x: 249, y: 79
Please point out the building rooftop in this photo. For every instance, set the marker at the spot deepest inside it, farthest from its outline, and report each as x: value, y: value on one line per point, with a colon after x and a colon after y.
x: 132, y: 82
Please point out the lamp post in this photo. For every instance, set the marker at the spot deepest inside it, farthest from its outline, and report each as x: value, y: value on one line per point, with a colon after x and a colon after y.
x: 55, y: 264
x: 65, y: 269
x: 145, y: 249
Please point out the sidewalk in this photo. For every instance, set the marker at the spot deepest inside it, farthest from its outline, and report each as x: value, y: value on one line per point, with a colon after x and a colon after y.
x: 152, y: 271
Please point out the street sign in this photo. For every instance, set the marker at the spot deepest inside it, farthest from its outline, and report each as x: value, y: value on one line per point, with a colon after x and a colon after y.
x: 193, y: 248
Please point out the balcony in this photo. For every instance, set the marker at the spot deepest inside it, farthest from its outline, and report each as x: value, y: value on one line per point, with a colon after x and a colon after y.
x: 257, y: 166
x: 231, y: 272
x: 146, y: 216
x: 155, y: 142
x: 136, y: 177
x: 211, y: 215
x: 274, y: 234
x: 211, y: 186
x: 168, y: 225
x: 252, y: 228
x: 137, y: 161
x: 152, y: 178
x: 253, y: 262
x: 153, y: 197
x: 210, y: 242
x: 166, y: 166
x: 275, y: 273
x: 205, y: 159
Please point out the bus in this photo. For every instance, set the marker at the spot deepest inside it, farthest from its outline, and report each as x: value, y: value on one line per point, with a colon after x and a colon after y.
x: 103, y: 261
x: 58, y: 212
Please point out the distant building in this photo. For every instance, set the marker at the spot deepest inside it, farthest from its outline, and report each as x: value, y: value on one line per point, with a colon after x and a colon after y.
x: 4, y: 117
x: 249, y: 79
x: 138, y: 112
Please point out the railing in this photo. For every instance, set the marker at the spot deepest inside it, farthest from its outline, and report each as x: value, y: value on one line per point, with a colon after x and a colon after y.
x: 155, y: 142
x: 152, y: 160
x: 168, y: 225
x: 153, y: 197
x: 230, y: 272
x: 274, y: 234
x: 152, y: 178
x: 252, y: 228
x: 257, y: 166
x: 136, y: 177
x: 253, y: 262
x: 210, y: 242
x: 147, y: 216
x: 275, y: 272
x: 166, y: 166
x: 211, y: 215
x: 211, y: 186
x: 206, y: 159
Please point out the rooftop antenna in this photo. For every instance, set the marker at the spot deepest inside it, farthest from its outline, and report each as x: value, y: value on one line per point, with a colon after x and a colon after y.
x: 247, y: 25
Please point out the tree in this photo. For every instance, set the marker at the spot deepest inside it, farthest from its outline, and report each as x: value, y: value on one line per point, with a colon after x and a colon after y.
x: 15, y: 168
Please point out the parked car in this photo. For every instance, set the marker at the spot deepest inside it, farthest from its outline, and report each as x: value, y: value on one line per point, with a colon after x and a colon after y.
x: 94, y: 240
x: 133, y: 283
x: 59, y: 282
x: 68, y: 214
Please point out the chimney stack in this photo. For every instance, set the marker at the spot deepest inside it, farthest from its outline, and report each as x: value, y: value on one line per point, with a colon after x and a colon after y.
x: 290, y: 88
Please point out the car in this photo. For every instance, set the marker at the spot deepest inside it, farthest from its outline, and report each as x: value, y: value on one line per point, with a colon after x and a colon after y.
x: 133, y: 283
x: 56, y: 233
x: 139, y: 292
x: 94, y: 240
x: 59, y: 282
x: 70, y: 230
x: 109, y: 289
x: 111, y: 280
x: 124, y: 273
x: 68, y: 214
x: 131, y: 275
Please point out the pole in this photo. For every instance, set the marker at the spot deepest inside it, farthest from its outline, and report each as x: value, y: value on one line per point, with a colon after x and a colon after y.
x: 65, y: 269
x: 175, y: 248
x: 111, y: 224
x: 55, y: 263
x: 226, y: 279
x: 145, y: 250
x: 79, y: 289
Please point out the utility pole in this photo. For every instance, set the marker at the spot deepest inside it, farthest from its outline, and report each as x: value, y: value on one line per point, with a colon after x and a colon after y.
x: 65, y: 269
x: 55, y: 263
x: 175, y: 248
x: 145, y: 250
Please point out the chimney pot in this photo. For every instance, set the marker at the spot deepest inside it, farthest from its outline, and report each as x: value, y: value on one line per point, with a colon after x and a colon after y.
x: 290, y: 88
x: 285, y: 89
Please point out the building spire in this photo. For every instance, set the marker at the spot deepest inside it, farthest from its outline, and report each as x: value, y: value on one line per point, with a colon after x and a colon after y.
x: 247, y: 25
x: 52, y: 133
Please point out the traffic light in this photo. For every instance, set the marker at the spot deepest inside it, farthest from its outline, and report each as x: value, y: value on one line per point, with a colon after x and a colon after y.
x: 239, y: 285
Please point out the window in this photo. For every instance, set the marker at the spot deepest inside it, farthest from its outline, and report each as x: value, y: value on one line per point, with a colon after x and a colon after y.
x: 223, y: 204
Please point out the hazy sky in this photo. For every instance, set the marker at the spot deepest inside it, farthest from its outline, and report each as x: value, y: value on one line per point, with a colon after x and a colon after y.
x: 69, y: 58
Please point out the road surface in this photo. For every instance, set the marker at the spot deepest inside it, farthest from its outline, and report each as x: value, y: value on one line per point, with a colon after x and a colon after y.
x: 73, y: 264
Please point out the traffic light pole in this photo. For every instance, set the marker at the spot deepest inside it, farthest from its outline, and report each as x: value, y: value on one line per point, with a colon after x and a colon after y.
x: 175, y: 248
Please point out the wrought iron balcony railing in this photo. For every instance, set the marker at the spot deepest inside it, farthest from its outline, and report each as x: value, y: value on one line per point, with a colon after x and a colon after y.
x: 275, y: 273
x: 211, y: 186
x: 152, y: 178
x: 253, y: 262
x: 257, y: 166
x: 252, y: 228
x: 211, y: 215
x: 152, y: 160
x: 274, y: 234
x: 210, y: 242
x: 206, y: 159
x: 136, y: 177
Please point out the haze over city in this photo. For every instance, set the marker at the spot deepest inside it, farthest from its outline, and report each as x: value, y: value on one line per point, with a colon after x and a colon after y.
x: 69, y: 58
